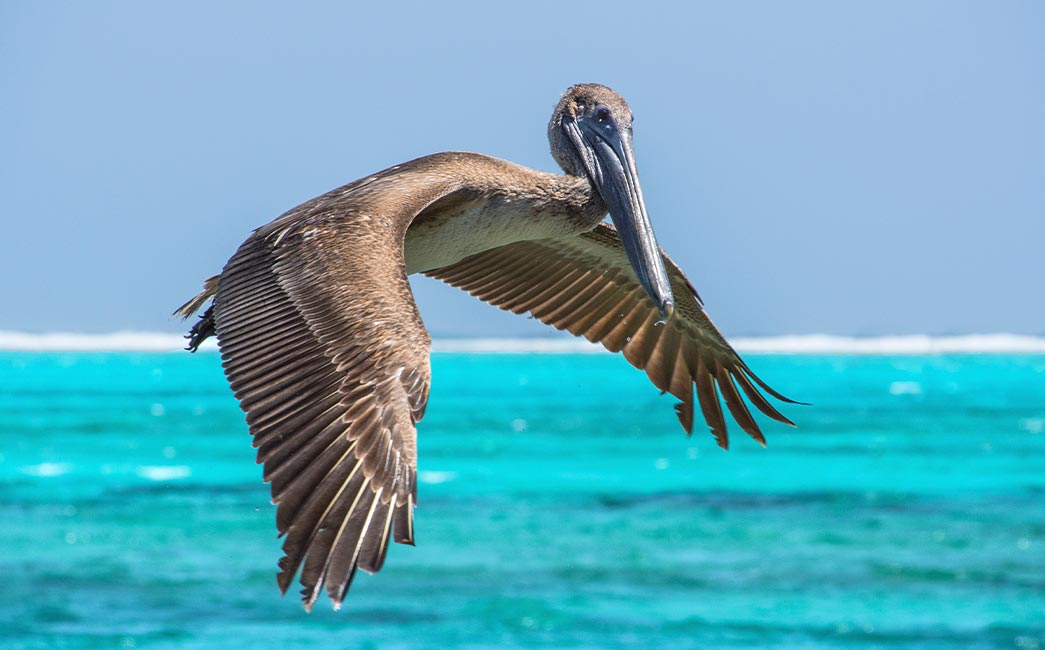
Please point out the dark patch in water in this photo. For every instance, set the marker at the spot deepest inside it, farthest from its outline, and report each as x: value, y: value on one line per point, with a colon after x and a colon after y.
x: 748, y: 501
x: 187, y: 489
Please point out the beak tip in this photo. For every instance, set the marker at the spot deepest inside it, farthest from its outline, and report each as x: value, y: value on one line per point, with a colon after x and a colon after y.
x: 667, y: 309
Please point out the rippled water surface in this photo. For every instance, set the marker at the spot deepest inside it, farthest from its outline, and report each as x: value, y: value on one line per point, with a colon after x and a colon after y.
x: 560, y: 507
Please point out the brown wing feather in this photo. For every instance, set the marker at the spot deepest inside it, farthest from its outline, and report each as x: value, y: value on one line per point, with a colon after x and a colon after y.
x: 585, y: 286
x: 331, y: 365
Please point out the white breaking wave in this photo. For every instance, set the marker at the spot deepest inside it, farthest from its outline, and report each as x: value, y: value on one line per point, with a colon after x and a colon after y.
x: 516, y: 346
x: 798, y: 344
x: 113, y: 342
x: 912, y: 344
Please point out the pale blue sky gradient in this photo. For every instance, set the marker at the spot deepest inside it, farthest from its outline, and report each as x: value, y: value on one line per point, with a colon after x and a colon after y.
x: 850, y: 168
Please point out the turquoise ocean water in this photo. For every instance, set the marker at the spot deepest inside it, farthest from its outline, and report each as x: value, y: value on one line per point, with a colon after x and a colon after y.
x: 560, y: 507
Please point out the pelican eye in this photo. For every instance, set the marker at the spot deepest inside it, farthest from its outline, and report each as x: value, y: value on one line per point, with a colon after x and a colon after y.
x: 602, y: 113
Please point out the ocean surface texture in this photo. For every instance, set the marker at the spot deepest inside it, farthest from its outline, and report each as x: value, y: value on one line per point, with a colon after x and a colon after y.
x: 561, y: 506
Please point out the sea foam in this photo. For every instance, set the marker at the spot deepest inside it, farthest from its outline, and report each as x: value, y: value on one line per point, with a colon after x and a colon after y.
x: 112, y: 342
x: 911, y: 344
x: 797, y: 344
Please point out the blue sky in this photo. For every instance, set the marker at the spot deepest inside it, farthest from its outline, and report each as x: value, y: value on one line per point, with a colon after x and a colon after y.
x: 849, y: 168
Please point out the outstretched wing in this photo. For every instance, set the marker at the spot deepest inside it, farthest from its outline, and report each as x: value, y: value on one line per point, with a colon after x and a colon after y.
x: 325, y: 350
x: 584, y: 285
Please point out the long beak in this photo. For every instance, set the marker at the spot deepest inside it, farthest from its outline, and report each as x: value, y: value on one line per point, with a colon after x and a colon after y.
x: 610, y: 162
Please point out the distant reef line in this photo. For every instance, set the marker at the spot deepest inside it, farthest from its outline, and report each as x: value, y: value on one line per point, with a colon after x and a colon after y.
x: 790, y: 344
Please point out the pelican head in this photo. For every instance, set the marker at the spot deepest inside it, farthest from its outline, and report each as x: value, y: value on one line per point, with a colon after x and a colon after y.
x: 590, y: 136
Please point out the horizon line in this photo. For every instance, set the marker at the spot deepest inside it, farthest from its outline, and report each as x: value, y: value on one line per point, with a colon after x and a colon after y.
x: 996, y: 343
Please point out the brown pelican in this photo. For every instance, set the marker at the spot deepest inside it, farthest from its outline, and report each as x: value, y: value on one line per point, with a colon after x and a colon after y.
x: 326, y: 352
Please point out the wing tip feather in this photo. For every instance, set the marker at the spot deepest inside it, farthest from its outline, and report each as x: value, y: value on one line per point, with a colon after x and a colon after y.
x: 684, y: 411
x: 769, y: 389
x: 721, y: 438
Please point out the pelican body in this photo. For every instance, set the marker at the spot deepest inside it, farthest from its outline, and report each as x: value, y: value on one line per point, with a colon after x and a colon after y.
x: 326, y: 352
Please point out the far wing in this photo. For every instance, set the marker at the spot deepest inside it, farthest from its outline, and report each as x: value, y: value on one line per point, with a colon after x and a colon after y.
x: 584, y: 285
